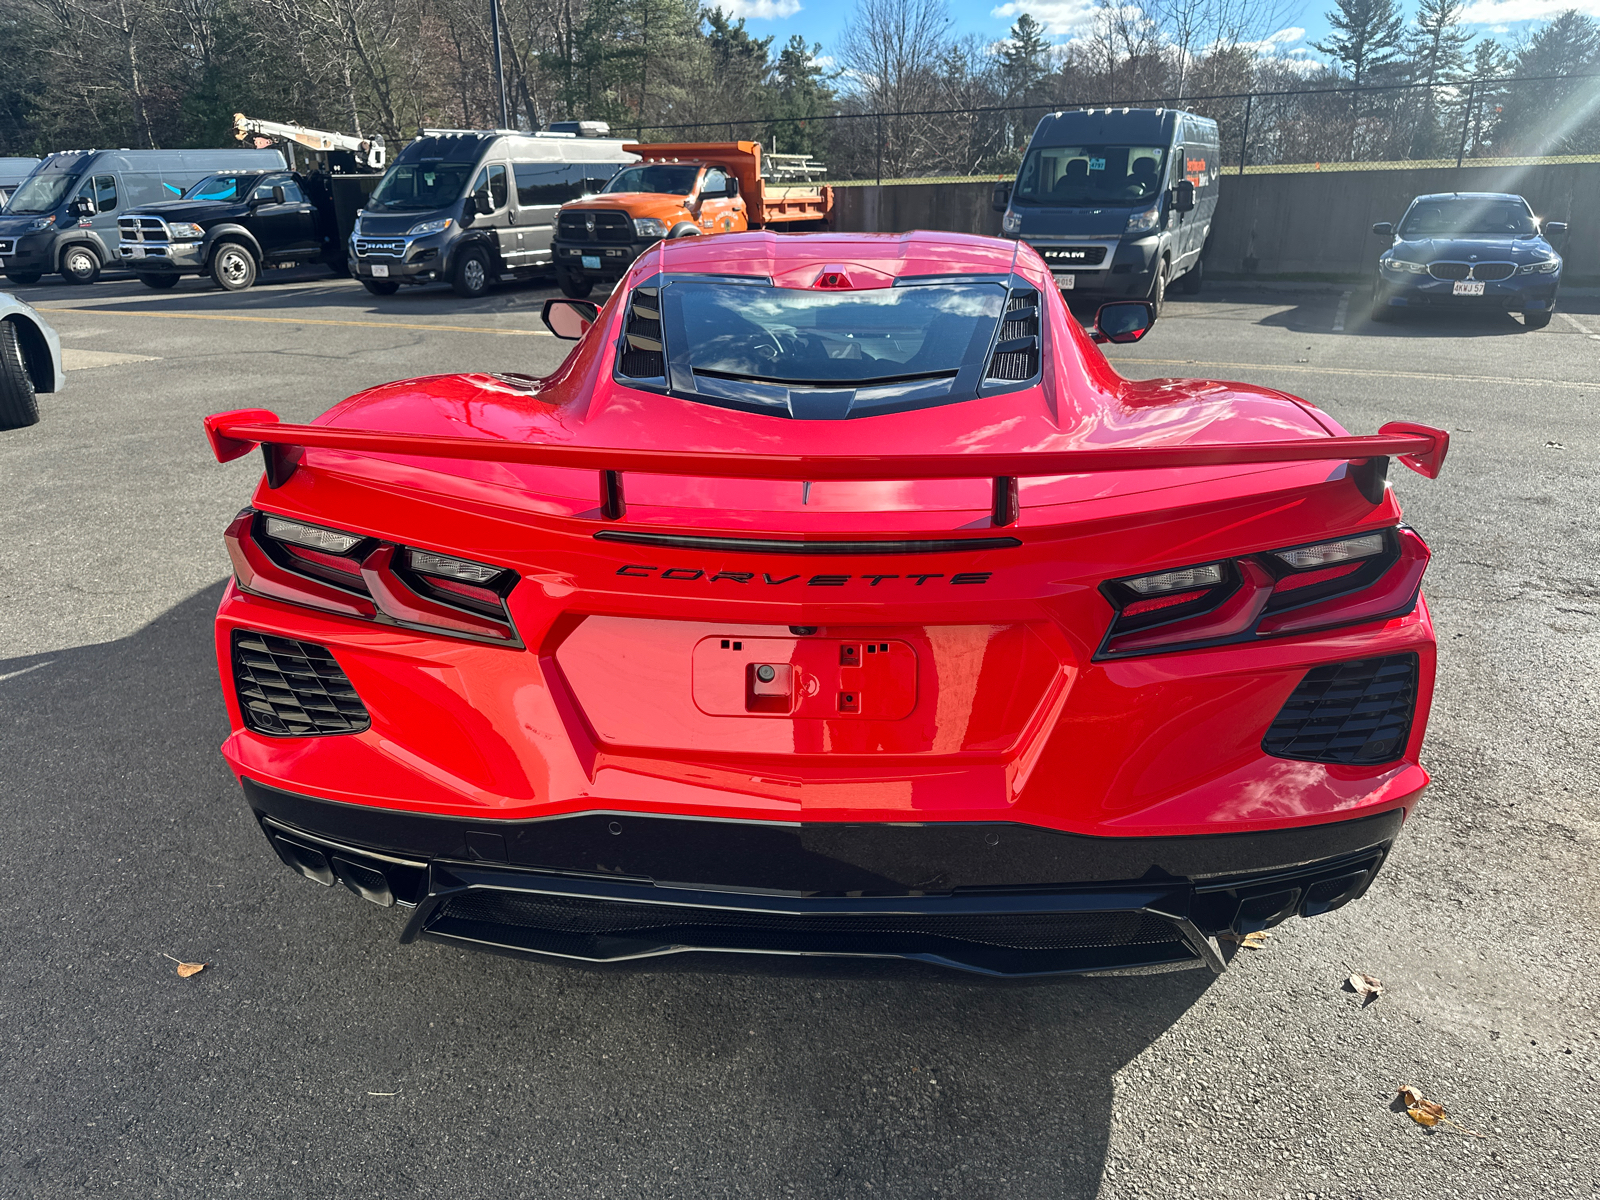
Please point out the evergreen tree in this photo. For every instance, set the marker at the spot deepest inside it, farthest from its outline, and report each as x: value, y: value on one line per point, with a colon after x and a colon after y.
x: 1436, y: 51
x: 1025, y: 59
x: 1555, y: 116
x: 802, y: 92
x: 1366, y: 37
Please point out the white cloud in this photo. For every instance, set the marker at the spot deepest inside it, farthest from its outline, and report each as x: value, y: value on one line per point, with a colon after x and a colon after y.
x: 759, y: 10
x: 823, y: 62
x: 1487, y: 12
x: 1057, y: 16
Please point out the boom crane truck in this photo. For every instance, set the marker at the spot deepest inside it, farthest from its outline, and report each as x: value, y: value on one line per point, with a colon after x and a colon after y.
x: 232, y: 225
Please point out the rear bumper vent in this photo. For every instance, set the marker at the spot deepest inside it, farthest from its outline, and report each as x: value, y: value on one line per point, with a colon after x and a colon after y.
x: 293, y: 689
x: 1352, y: 712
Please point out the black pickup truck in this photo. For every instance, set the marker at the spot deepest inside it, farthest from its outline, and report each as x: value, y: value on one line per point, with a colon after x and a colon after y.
x: 232, y: 225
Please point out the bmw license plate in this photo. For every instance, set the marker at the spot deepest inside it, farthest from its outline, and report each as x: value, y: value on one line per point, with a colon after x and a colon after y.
x: 1066, y: 282
x: 380, y: 271
x: 592, y: 261
x: 1468, y: 287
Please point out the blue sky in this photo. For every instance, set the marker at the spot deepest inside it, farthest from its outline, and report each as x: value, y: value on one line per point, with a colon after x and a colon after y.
x: 822, y: 20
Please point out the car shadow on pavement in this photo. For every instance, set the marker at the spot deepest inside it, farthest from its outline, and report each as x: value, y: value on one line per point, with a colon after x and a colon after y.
x: 314, y: 1050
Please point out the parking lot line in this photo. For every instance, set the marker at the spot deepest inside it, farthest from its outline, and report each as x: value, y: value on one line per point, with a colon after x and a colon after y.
x: 1437, y: 377
x: 1579, y: 326
x: 194, y: 316
x: 1344, y: 311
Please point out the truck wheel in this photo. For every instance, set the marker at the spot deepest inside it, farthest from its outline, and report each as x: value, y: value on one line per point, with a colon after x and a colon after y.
x: 80, y: 264
x: 18, y: 404
x: 684, y: 229
x: 24, y: 276
x: 471, y: 278
x: 381, y: 287
x: 572, y: 285
x: 1193, y: 278
x: 1158, y: 288
x: 233, y: 267
x: 160, y: 282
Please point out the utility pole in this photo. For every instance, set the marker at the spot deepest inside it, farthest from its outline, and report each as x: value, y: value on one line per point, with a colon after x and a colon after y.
x: 499, y: 66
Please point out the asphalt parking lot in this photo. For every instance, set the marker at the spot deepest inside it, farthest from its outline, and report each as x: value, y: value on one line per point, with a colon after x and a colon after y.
x: 316, y: 1057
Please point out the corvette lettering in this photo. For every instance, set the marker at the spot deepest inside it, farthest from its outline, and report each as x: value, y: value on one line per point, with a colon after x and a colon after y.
x: 766, y: 579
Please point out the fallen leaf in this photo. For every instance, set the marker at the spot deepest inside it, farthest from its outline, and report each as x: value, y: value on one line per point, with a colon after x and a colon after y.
x: 1365, y: 986
x: 186, y: 969
x: 1428, y: 1112
x: 1250, y: 941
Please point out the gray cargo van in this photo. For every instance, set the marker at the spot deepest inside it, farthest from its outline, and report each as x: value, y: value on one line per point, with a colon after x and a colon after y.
x: 12, y: 172
x: 63, y: 217
x: 1118, y: 201
x: 468, y: 207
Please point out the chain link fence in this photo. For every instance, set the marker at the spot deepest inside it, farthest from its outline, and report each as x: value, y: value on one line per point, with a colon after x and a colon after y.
x: 1511, y: 121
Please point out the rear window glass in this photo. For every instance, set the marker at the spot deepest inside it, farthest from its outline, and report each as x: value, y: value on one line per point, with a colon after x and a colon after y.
x: 807, y: 336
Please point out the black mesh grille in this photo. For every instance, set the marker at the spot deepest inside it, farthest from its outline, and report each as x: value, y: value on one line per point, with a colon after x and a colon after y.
x: 572, y: 227
x: 1353, y: 712
x: 293, y: 689
x: 642, y: 356
x: 574, y: 920
x: 1449, y: 270
x: 1494, y: 271
x: 1012, y: 359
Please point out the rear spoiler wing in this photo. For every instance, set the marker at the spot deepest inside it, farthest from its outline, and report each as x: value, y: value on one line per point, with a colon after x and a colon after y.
x: 233, y: 434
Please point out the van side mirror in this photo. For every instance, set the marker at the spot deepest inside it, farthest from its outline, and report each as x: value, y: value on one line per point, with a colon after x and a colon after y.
x: 1000, y: 200
x: 83, y: 206
x: 1123, y: 321
x: 569, y: 320
x: 278, y: 194
x: 482, y: 203
x: 1383, y: 229
x: 1554, y: 228
x: 1183, y: 196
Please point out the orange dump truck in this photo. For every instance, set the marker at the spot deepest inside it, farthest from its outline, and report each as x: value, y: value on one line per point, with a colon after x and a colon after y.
x: 676, y: 190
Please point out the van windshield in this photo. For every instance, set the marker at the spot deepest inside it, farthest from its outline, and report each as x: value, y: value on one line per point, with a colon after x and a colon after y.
x: 669, y: 179
x: 418, y: 186
x: 1468, y: 217
x: 43, y: 192
x: 1090, y: 175
x: 800, y: 335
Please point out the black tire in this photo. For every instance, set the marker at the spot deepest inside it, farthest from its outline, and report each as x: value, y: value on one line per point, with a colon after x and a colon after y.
x: 1380, y: 311
x: 381, y: 287
x: 470, y: 279
x: 160, y: 282
x: 577, y: 287
x: 24, y: 277
x: 233, y: 267
x: 1537, y: 320
x: 80, y: 264
x: 18, y: 404
x: 1158, y: 288
x: 1193, y: 278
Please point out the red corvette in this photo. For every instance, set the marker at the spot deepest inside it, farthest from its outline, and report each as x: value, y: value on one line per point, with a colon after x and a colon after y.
x: 834, y: 596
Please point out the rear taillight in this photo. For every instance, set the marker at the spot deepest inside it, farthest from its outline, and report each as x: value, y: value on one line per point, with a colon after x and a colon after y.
x: 358, y: 576
x: 1364, y: 577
